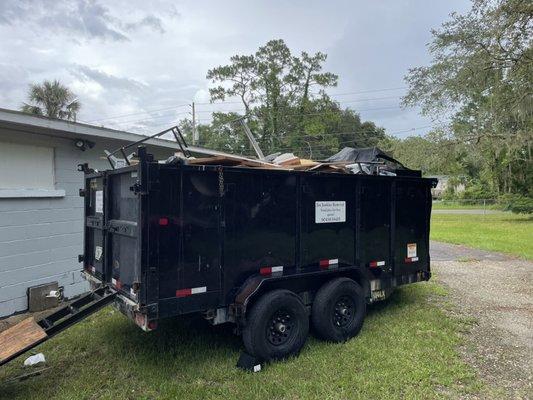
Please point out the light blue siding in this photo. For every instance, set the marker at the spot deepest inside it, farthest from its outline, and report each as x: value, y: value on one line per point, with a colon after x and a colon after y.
x: 40, y: 238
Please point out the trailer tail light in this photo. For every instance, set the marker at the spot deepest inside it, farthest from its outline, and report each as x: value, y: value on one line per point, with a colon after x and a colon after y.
x: 142, y: 321
x: 163, y: 221
x: 411, y: 259
x: 190, y: 291
x: 90, y: 268
x: 265, y: 271
x: 116, y: 283
x: 375, y: 264
x: 327, y: 263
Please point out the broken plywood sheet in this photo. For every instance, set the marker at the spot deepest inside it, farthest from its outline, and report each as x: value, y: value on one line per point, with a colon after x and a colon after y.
x: 216, y: 160
x: 329, y: 167
x: 231, y: 161
x: 19, y: 337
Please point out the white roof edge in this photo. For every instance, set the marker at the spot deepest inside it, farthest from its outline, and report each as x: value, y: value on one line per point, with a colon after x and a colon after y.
x: 80, y: 129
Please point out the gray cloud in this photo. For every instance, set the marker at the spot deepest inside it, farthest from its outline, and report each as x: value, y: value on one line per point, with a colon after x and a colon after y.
x: 148, y: 61
x: 107, y: 81
x: 150, y: 21
x: 78, y: 19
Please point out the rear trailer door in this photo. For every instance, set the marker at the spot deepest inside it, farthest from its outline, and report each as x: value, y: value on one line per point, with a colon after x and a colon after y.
x: 94, y: 226
x: 184, y: 239
x: 123, y: 251
x: 327, y: 235
x: 374, y: 216
x: 411, y: 233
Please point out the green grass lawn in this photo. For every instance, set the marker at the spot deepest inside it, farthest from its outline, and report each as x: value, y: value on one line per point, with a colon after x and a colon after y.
x: 407, y: 349
x: 503, y: 232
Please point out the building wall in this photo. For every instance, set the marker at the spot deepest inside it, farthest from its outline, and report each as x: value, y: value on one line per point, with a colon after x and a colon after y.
x: 40, y: 238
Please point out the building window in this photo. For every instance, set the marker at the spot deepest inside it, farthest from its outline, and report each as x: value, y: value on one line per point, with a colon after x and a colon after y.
x: 27, y: 171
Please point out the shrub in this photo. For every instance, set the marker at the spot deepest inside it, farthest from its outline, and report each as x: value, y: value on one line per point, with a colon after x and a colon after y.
x: 478, y: 191
x: 516, y: 203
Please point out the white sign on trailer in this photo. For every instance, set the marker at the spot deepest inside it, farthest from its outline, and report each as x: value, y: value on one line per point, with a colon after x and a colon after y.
x: 330, y: 211
x: 99, y: 201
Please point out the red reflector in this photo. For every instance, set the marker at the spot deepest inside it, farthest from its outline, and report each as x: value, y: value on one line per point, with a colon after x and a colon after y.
x: 152, y: 325
x: 163, y: 221
x: 183, y: 292
x: 271, y: 270
x: 374, y: 264
x: 328, y: 263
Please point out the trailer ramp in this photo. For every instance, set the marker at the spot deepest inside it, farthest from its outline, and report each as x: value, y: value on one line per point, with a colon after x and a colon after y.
x: 29, y: 333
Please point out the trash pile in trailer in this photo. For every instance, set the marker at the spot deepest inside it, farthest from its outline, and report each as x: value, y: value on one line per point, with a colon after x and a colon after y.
x: 365, y: 161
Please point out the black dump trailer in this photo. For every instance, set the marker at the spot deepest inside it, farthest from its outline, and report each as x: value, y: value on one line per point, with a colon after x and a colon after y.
x: 269, y: 250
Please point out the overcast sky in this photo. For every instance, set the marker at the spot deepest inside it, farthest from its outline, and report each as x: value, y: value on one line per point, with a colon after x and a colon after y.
x: 135, y: 64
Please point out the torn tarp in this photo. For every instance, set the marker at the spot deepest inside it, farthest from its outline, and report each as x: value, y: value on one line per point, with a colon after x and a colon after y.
x: 371, y: 161
x: 362, y: 155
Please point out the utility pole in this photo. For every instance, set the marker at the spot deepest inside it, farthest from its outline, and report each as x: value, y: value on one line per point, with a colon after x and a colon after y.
x: 194, y: 131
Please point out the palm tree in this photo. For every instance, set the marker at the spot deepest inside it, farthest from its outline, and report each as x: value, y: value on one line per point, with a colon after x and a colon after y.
x: 53, y: 100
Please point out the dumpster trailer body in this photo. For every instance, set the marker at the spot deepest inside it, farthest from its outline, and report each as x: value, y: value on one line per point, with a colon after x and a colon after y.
x: 256, y: 247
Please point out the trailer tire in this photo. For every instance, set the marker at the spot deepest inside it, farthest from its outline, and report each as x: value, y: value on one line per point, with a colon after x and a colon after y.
x: 338, y: 310
x: 268, y: 333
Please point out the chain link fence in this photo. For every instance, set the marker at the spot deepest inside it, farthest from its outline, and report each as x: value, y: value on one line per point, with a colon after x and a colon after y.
x: 467, y: 204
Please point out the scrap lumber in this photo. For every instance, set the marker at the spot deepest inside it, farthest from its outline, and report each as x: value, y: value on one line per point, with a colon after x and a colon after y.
x: 287, y: 159
x: 231, y: 161
x: 19, y: 337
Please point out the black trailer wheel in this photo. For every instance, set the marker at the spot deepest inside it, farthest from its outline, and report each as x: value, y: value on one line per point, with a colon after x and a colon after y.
x: 339, y: 310
x: 277, y: 326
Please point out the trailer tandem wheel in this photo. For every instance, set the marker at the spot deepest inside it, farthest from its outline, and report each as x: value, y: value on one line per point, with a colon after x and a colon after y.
x: 277, y: 326
x: 338, y: 310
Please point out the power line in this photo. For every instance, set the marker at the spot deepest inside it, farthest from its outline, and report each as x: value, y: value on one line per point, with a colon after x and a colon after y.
x: 323, y: 112
x: 242, y: 111
x: 330, y: 94
x: 340, y: 102
x: 147, y: 111
x: 138, y: 113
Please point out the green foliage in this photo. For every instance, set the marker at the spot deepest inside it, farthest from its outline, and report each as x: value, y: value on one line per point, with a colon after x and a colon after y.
x: 481, y: 75
x: 477, y: 190
x: 516, y: 203
x: 433, y: 153
x: 53, y: 100
x: 285, y: 105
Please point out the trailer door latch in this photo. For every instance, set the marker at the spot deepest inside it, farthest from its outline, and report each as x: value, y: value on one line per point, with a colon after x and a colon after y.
x: 136, y: 188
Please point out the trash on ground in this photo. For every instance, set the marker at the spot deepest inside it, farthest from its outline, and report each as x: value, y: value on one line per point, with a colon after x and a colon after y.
x: 34, y: 360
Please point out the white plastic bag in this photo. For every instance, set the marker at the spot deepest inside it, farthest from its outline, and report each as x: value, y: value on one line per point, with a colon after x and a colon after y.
x: 36, y: 359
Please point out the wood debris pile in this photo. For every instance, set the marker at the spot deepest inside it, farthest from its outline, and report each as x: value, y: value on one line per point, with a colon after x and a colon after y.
x: 286, y: 161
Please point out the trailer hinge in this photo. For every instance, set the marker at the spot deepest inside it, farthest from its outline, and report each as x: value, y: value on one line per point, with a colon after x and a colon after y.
x: 85, y: 168
x: 81, y: 258
x: 136, y: 188
x: 82, y: 192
